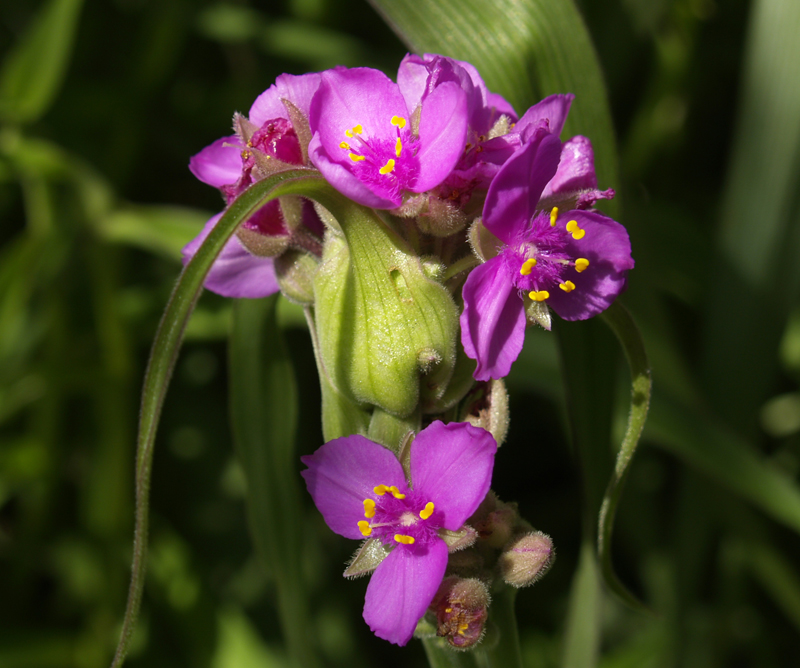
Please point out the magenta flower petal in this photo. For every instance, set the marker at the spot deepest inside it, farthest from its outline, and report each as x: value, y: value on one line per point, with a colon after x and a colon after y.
x: 235, y: 272
x: 220, y: 163
x: 297, y: 89
x: 344, y: 472
x: 493, y: 320
x: 451, y: 465
x: 402, y: 588
x: 516, y: 188
x: 608, y: 249
x: 442, y: 135
x: 553, y: 109
x: 576, y: 169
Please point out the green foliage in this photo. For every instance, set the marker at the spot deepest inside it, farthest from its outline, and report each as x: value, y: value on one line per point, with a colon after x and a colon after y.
x: 101, y: 105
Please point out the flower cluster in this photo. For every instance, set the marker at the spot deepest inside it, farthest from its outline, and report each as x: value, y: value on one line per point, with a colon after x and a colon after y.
x: 480, y: 222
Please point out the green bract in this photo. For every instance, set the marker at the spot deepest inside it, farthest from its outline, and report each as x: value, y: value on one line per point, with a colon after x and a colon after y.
x: 383, y: 326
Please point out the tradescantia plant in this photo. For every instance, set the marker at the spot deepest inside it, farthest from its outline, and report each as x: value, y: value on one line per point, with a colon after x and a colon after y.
x: 422, y: 225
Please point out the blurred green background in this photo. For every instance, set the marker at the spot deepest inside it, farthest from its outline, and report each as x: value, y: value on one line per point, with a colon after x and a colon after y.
x: 102, y: 103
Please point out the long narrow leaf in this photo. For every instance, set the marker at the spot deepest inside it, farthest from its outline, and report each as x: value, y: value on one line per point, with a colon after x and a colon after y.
x: 621, y: 323
x: 34, y: 71
x: 165, y: 351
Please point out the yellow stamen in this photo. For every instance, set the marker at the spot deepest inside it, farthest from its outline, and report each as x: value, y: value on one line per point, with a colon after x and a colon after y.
x: 398, y: 147
x: 380, y: 490
x: 364, y: 528
x: 344, y: 144
x: 369, y: 508
x: 539, y: 296
x: 527, y: 266
x: 569, y: 286
x: 388, y: 167
x: 553, y: 216
x: 462, y: 627
x: 396, y: 493
x: 399, y: 121
x: 405, y: 540
x: 355, y: 130
x: 448, y: 610
x: 427, y: 511
x: 580, y: 264
x: 575, y: 230
x: 356, y: 158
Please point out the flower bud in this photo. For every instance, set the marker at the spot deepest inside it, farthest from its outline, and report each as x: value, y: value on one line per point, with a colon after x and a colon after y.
x: 526, y: 559
x: 295, y: 272
x: 461, y: 607
x: 367, y: 558
x: 384, y: 327
x: 487, y: 407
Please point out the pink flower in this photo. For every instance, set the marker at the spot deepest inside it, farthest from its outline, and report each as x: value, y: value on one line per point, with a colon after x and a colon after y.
x: 361, y: 490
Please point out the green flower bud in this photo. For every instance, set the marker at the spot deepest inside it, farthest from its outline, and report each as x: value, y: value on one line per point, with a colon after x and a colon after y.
x: 526, y: 559
x: 367, y: 558
x: 295, y: 271
x: 383, y: 325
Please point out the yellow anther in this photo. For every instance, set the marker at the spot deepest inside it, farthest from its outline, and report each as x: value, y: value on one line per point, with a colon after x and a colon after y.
x: 575, y: 230
x: 553, y: 216
x: 427, y: 511
x: 369, y: 508
x: 405, y: 540
x: 355, y: 130
x: 399, y: 121
x: 569, y: 286
x: 527, y: 266
x: 580, y: 264
x: 344, y: 144
x: 448, y: 610
x: 539, y: 296
x: 462, y: 627
x: 398, y: 147
x: 356, y: 158
x: 388, y: 167
x: 364, y: 528
x: 396, y: 493
x: 380, y: 490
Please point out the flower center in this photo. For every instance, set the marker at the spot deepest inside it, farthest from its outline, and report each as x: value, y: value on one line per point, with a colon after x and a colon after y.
x: 539, y: 261
x: 388, y: 159
x: 397, y: 517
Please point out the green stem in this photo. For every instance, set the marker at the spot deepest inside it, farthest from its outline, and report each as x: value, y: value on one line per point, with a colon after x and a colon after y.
x: 464, y: 264
x: 506, y: 652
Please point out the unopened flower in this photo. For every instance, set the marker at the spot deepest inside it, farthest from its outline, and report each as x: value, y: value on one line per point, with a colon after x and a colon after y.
x: 573, y: 261
x: 265, y: 142
x: 461, y: 607
x: 375, y: 148
x: 362, y: 491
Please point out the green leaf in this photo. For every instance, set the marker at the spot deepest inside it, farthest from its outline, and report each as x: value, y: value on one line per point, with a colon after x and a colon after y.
x: 621, y: 323
x: 264, y: 406
x: 160, y: 229
x: 167, y: 343
x: 34, y: 70
x: 526, y: 51
x: 724, y: 456
x: 758, y: 239
x: 582, y: 633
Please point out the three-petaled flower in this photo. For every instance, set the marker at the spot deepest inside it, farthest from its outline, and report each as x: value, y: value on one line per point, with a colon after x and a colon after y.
x: 375, y: 145
x: 361, y: 490
x: 575, y: 261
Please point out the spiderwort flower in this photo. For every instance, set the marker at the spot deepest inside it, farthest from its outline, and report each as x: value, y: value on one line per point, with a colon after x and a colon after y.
x: 371, y: 146
x: 362, y: 491
x: 263, y: 143
x: 575, y: 261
